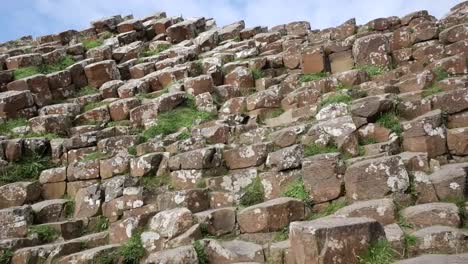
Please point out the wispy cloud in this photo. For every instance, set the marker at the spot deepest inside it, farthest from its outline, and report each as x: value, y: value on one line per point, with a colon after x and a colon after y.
x: 40, y: 17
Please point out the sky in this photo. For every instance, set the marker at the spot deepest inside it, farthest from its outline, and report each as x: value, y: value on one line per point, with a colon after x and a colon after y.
x: 41, y: 17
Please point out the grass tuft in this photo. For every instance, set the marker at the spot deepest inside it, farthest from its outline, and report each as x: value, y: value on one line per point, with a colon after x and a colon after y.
x: 95, y: 156
x: 378, y: 253
x: 441, y: 74
x: 90, y: 106
x: 132, y: 251
x: 45, y: 233
x: 332, y: 207
x: 433, y: 89
x: 28, y: 168
x: 314, y: 149
x: 254, y: 193
x: 7, y: 126
x: 296, y: 189
x: 201, y: 254
x: 92, y: 43
x: 282, y: 235
x: 44, y: 68
x: 172, y: 121
x: 338, y: 98
x: 371, y: 70
x: 313, y: 76
x: 5, y: 256
x: 154, y: 182
x: 87, y: 90
x: 390, y: 120
x: 152, y: 52
x: 257, y: 73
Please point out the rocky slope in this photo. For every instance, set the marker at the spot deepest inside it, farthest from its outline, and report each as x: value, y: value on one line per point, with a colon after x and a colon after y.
x: 171, y: 140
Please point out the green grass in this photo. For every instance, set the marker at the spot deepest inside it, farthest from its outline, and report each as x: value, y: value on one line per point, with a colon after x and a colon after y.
x: 111, y: 258
x: 371, y: 70
x: 198, y: 67
x: 87, y: 90
x: 254, y: 193
x: 7, y: 126
x: 152, y: 52
x: 201, y: 254
x: 378, y: 253
x: 92, y: 43
x: 183, y: 136
x: 5, y: 256
x: 132, y: 251
x: 69, y: 207
x: 441, y: 74
x: 296, y: 189
x: 172, y: 121
x: 334, y: 99
x: 313, y: 76
x: 44, y: 68
x: 28, y: 168
x: 433, y: 89
x: 314, y: 149
x: 201, y: 183
x: 132, y: 150
x: 277, y: 112
x: 390, y: 120
x: 367, y: 141
x: 257, y: 73
x: 102, y: 224
x: 90, y: 106
x: 45, y: 233
x: 331, y: 208
x: 95, y: 156
x: 281, y: 235
x: 154, y: 182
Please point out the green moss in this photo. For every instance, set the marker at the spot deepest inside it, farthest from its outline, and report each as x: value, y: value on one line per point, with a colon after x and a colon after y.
x: 90, y: 106
x: 45, y: 233
x: 28, y: 168
x: 172, y: 121
x: 254, y: 193
x: 277, y: 112
x: 296, y: 189
x: 380, y: 252
x: 371, y: 70
x: 95, y: 156
x: 5, y: 256
x: 87, y: 90
x: 201, y: 254
x: 92, y: 43
x: 314, y: 149
x: 111, y: 258
x: 132, y: 251
x: 257, y: 73
x: 334, y: 99
x: 390, y: 120
x: 313, y: 76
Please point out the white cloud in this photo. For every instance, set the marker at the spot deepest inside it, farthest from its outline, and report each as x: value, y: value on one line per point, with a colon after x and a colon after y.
x: 52, y: 16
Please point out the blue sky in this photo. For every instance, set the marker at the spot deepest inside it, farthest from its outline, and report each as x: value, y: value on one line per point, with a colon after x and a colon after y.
x: 41, y: 17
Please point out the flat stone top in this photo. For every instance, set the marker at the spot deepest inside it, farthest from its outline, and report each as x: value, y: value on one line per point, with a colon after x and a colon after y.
x: 331, y: 222
x: 436, y: 259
